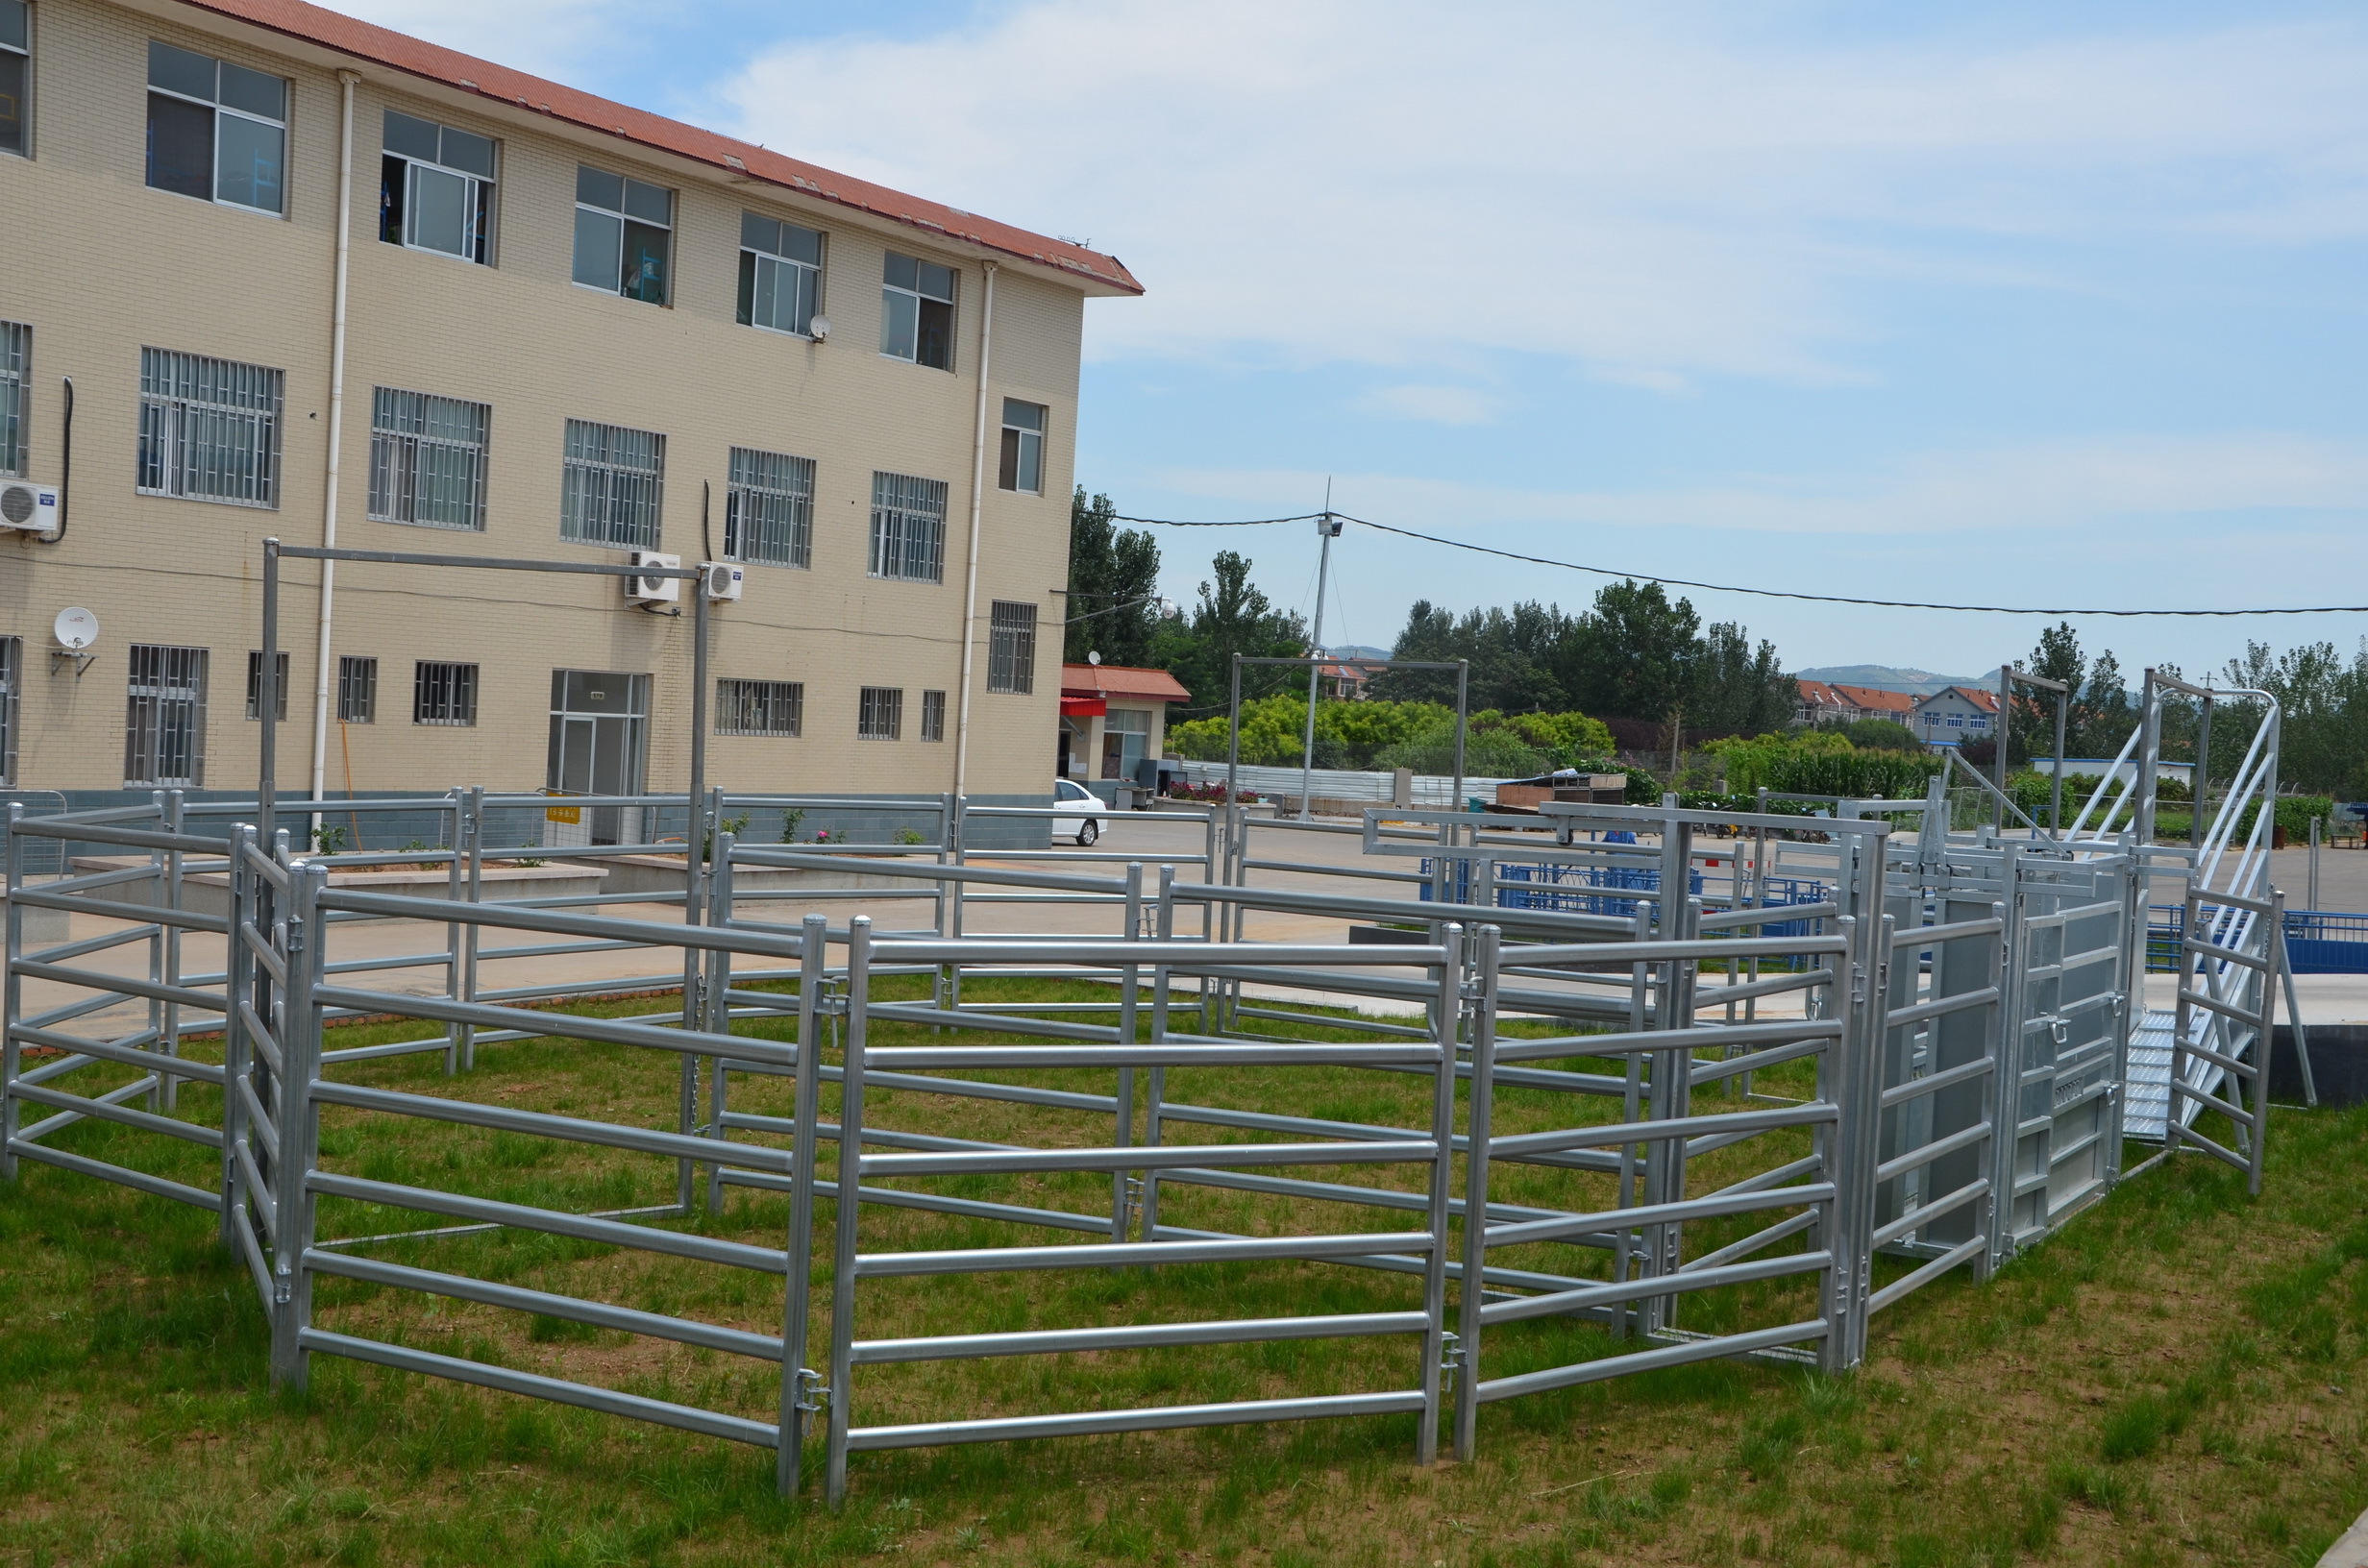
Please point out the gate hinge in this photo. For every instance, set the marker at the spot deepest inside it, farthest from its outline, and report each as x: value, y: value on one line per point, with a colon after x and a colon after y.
x: 812, y: 1394
x: 1450, y: 1356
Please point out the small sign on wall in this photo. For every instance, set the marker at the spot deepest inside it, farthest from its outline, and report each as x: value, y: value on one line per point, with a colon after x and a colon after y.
x: 572, y: 816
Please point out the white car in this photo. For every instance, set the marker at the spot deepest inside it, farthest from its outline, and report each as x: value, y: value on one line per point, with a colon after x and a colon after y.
x: 1073, y: 808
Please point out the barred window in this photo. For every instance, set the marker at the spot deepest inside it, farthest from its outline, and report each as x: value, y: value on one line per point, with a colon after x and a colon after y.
x: 209, y: 428
x: 254, y: 685
x: 11, y: 666
x: 164, y: 732
x: 358, y: 690
x: 443, y: 694
x: 428, y: 459
x: 1011, y: 647
x: 879, y: 714
x: 759, y: 708
x: 909, y: 527
x: 933, y: 716
x: 769, y: 510
x: 612, y: 485
x: 16, y: 364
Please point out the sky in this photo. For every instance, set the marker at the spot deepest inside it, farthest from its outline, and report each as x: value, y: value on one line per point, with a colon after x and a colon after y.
x: 2024, y: 304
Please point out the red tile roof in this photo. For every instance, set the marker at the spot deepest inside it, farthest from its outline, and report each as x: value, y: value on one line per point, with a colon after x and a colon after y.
x: 400, y: 51
x: 1120, y: 680
x: 1865, y: 698
x: 1985, y: 701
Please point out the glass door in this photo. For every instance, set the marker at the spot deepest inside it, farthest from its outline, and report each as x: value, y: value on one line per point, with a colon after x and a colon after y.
x: 599, y: 731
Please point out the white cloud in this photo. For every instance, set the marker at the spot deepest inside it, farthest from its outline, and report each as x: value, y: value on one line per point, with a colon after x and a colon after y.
x: 1653, y: 193
x: 1433, y: 405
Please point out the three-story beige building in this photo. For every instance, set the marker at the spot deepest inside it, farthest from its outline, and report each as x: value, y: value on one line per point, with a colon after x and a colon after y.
x: 280, y: 273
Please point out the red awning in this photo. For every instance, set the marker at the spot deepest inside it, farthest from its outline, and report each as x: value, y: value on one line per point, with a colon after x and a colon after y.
x: 1083, y: 707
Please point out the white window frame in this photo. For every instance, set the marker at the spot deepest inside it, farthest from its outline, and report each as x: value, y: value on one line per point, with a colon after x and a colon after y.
x: 24, y: 102
x: 600, y: 483
x: 480, y: 190
x: 895, y: 296
x: 908, y: 528
x: 218, y: 108
x: 769, y: 508
x: 189, y: 403
x: 415, y: 432
x: 763, y: 263
x: 16, y: 374
x: 774, y: 709
x: 1011, y: 647
x: 621, y: 215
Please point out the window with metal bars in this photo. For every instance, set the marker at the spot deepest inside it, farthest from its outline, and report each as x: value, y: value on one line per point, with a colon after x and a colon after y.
x: 209, y: 428
x: 759, y: 708
x: 933, y: 716
x: 16, y: 364
x: 879, y: 713
x: 358, y: 690
x: 1011, y: 647
x: 611, y: 486
x: 254, y: 685
x: 909, y: 527
x: 165, y: 731
x: 428, y: 459
x: 443, y: 694
x: 769, y: 508
x: 12, y: 676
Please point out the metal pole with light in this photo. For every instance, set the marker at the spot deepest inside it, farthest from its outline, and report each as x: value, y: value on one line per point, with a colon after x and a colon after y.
x: 1327, y: 529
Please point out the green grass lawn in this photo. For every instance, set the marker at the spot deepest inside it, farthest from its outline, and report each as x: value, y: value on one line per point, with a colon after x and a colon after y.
x: 2170, y: 1381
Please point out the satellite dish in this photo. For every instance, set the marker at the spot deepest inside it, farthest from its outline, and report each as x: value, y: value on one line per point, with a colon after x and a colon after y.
x: 75, y: 629
x: 819, y: 327
x: 1092, y: 658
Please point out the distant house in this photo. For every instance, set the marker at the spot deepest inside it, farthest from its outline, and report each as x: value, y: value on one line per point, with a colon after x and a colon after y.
x: 1343, y: 683
x: 1112, y: 718
x: 1822, y: 703
x: 1954, y: 715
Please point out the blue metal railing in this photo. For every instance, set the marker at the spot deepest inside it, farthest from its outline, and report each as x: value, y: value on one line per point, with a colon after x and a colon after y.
x: 2317, y: 941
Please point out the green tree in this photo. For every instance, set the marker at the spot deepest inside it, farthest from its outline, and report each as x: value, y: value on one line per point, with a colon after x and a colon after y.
x: 1113, y: 586
x: 1634, y: 654
x: 1234, y: 616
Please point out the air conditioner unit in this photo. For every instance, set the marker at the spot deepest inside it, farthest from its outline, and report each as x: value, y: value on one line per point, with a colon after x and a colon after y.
x: 649, y: 590
x: 721, y: 580
x: 32, y: 507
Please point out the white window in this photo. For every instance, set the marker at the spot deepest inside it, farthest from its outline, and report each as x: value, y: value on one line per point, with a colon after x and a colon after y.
x: 611, y: 486
x: 1024, y: 445
x: 216, y: 131
x: 933, y: 716
x: 254, y: 685
x: 759, y: 708
x: 1011, y: 647
x: 916, y: 315
x: 443, y: 694
x: 209, y: 428
x: 428, y: 459
x: 165, y: 733
x: 780, y: 275
x: 909, y: 527
x: 16, y: 364
x: 358, y: 690
x: 623, y: 236
x: 879, y: 713
x: 1125, y: 739
x: 769, y: 508
x: 435, y: 188
x: 15, y: 78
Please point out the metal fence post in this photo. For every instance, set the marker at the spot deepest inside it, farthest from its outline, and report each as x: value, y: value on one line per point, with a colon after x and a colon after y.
x: 1120, y: 1196
x: 300, y: 1047
x: 473, y: 830
x: 850, y: 1208
x: 718, y: 1013
x: 14, y: 987
x: 798, y: 1382
x: 1470, y: 1293
x: 238, y: 1049
x: 170, y: 1040
x: 1436, y: 1361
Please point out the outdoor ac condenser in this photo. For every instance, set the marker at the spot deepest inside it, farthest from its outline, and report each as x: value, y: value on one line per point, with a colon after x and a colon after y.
x: 29, y: 507
x: 641, y: 590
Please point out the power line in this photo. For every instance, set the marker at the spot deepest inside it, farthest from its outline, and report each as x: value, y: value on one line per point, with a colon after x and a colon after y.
x: 1732, y: 588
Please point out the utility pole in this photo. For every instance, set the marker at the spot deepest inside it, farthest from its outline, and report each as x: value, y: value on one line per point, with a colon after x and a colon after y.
x: 1327, y: 529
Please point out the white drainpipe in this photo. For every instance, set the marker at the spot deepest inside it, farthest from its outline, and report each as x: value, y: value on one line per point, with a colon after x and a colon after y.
x: 347, y: 79
x: 970, y: 590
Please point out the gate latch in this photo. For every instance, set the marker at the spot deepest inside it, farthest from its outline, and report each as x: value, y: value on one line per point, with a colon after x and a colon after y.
x: 812, y: 1395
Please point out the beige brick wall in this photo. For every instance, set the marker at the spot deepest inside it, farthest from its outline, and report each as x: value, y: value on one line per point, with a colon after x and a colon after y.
x: 118, y: 266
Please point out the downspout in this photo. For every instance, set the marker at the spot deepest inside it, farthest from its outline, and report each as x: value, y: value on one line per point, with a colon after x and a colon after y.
x: 347, y: 81
x: 970, y: 590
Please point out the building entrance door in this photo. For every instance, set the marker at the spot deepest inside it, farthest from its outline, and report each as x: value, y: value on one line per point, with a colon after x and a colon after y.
x: 598, y: 722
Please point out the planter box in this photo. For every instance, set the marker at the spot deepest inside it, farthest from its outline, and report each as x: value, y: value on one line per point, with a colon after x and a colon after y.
x: 206, y: 890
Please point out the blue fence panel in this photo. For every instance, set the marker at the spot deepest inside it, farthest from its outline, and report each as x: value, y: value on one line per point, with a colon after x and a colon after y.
x: 2317, y: 941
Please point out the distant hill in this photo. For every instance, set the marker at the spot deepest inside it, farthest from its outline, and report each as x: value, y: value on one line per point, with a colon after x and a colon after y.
x: 1356, y: 650
x: 1885, y: 677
